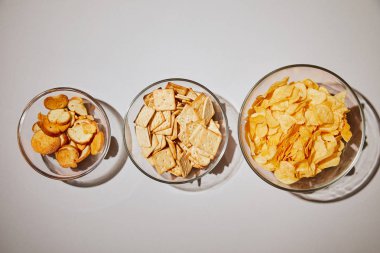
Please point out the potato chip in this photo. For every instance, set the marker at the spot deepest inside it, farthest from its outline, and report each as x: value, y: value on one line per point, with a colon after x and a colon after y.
x: 295, y: 129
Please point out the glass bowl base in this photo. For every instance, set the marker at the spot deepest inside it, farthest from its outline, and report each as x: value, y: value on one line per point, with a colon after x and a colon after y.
x: 364, y: 169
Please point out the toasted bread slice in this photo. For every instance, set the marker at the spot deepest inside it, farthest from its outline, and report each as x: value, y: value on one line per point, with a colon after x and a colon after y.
x: 78, y: 135
x: 56, y: 102
x: 84, y: 154
x: 47, y: 127
x: 97, y: 143
x: 35, y: 127
x: 76, y: 104
x: 45, y: 144
x: 64, y: 139
x: 59, y: 116
x: 67, y: 156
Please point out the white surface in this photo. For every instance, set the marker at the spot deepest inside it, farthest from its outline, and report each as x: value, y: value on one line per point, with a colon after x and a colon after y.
x: 112, y: 49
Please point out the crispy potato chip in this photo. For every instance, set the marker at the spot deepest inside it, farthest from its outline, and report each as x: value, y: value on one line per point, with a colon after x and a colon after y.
x: 295, y: 129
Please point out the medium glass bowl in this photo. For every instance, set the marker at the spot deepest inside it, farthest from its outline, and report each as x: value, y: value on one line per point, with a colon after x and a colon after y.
x: 334, y: 84
x: 46, y: 164
x: 134, y: 150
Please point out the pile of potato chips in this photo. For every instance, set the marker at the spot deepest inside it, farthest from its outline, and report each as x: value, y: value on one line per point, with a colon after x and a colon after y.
x: 176, y: 131
x: 296, y: 129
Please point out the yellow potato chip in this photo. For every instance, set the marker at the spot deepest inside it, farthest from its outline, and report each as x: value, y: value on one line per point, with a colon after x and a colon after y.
x: 295, y: 129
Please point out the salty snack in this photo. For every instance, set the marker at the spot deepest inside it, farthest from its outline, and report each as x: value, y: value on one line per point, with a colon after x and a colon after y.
x: 176, y: 131
x: 67, y: 131
x: 297, y: 129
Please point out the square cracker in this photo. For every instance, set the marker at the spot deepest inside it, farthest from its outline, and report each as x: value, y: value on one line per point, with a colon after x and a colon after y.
x: 164, y: 160
x: 157, y: 120
x: 214, y: 127
x: 187, y: 115
x: 166, y: 124
x: 207, y: 110
x: 145, y: 115
x: 143, y: 136
x: 147, y: 151
x: 206, y: 140
x: 177, y: 88
x: 164, y: 100
x: 185, y: 164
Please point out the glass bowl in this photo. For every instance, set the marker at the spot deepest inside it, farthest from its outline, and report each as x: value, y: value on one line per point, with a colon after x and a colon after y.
x: 334, y: 84
x: 134, y: 150
x: 46, y: 164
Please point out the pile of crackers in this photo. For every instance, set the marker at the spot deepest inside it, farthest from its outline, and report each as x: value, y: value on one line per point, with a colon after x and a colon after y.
x: 67, y: 131
x: 176, y: 131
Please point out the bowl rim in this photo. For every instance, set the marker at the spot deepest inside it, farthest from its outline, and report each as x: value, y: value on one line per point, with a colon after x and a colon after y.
x: 348, y: 169
x: 217, y: 160
x: 26, y: 109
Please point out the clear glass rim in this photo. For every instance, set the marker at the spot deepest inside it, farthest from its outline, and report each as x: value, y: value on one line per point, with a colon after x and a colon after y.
x: 21, y: 121
x: 241, y: 141
x: 127, y: 125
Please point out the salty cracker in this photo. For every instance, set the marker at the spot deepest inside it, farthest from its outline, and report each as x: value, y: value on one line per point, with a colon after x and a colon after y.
x: 164, y: 100
x: 145, y: 115
x: 176, y: 171
x: 207, y: 110
x: 206, y: 140
x: 143, y: 136
x: 214, y: 127
x: 191, y: 94
x: 185, y: 165
x: 148, y: 151
x: 163, y: 160
x: 169, y: 130
x: 179, y: 89
x: 172, y: 147
x: 148, y: 100
x: 188, y: 114
x: 166, y: 124
x: 157, y: 120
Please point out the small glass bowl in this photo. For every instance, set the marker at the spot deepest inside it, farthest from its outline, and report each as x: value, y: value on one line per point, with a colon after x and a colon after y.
x: 134, y: 149
x: 334, y: 84
x: 46, y: 164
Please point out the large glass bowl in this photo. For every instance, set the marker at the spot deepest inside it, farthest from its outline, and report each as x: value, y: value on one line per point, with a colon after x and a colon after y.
x: 46, y: 164
x: 355, y: 117
x: 134, y: 150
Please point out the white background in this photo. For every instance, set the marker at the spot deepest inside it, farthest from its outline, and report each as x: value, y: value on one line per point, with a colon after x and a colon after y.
x: 113, y: 49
